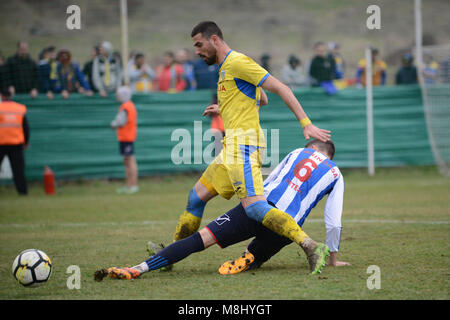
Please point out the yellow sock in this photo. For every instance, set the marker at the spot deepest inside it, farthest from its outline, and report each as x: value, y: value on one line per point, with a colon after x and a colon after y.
x: 188, y: 224
x: 283, y: 224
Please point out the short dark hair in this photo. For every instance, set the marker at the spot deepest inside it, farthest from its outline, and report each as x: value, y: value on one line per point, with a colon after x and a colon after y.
x: 319, y: 43
x: 4, y: 91
x: 207, y: 29
x: 324, y: 147
x: 138, y: 56
x: 169, y: 54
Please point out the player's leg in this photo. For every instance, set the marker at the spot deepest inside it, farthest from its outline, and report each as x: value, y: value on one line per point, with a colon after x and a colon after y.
x: 246, y: 176
x: 265, y: 245
x: 178, y: 251
x: 131, y: 172
x: 169, y: 255
x: 232, y: 227
x: 283, y: 224
x: 17, y: 161
x: 126, y: 150
x: 251, y: 194
x: 190, y: 220
x: 214, y: 181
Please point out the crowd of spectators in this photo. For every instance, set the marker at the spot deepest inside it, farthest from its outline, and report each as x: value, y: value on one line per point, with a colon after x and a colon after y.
x: 328, y: 65
x: 56, y: 73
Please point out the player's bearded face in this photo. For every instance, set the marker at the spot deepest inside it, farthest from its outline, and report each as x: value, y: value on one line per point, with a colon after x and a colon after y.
x: 204, y: 49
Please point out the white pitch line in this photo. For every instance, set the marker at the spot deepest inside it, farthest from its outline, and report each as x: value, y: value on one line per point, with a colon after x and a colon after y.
x: 159, y: 222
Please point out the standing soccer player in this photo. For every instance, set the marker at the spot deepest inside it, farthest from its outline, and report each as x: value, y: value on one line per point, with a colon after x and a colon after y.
x: 237, y: 169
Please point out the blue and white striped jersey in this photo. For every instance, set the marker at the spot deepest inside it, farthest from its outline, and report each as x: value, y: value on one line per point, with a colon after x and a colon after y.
x: 300, y: 181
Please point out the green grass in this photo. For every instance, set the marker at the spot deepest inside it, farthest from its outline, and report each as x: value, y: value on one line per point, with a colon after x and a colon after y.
x: 387, y: 221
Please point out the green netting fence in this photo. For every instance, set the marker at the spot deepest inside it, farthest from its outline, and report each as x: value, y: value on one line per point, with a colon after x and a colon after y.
x: 73, y: 136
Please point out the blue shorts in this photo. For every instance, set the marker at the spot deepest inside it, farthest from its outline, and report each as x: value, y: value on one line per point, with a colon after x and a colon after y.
x: 126, y: 148
x: 235, y: 226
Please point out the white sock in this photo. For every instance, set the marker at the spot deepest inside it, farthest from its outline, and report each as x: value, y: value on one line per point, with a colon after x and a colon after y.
x: 142, y: 268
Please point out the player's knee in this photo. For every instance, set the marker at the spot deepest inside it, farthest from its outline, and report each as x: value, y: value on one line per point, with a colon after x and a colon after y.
x: 195, y: 205
x: 258, y: 210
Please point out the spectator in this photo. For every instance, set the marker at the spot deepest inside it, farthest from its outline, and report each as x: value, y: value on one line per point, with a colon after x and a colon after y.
x: 118, y: 57
x: 141, y: 75
x: 14, y: 138
x: 131, y: 58
x: 322, y: 67
x: 265, y: 62
x: 378, y: 70
x: 292, y: 73
x: 47, y: 71
x: 430, y: 70
x: 338, y: 60
x: 106, y: 70
x: 407, y: 74
x: 22, y: 73
x: 70, y: 77
x: 87, y: 68
x: 183, y: 58
x: 206, y: 76
x: 125, y: 124
x: 169, y: 75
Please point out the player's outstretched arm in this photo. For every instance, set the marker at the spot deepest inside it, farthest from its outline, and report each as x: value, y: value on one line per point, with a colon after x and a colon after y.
x: 272, y: 84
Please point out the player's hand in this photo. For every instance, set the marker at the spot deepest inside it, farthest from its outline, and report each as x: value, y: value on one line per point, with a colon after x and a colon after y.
x: 311, y: 131
x: 211, y: 110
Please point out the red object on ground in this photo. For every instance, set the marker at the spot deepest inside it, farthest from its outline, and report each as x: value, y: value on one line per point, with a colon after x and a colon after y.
x: 49, y: 181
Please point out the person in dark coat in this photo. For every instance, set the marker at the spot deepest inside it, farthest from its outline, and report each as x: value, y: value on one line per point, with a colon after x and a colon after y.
x: 407, y: 74
x: 22, y: 74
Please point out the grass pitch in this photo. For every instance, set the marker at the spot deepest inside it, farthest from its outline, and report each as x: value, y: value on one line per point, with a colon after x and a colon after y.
x: 398, y: 220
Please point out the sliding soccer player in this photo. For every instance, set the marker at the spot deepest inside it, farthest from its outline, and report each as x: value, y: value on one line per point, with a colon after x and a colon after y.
x: 296, y: 185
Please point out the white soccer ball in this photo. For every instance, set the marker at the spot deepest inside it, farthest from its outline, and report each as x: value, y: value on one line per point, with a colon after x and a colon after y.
x: 32, y: 267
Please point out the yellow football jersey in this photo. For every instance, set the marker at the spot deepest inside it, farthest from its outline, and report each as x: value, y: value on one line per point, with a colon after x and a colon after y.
x: 238, y: 95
